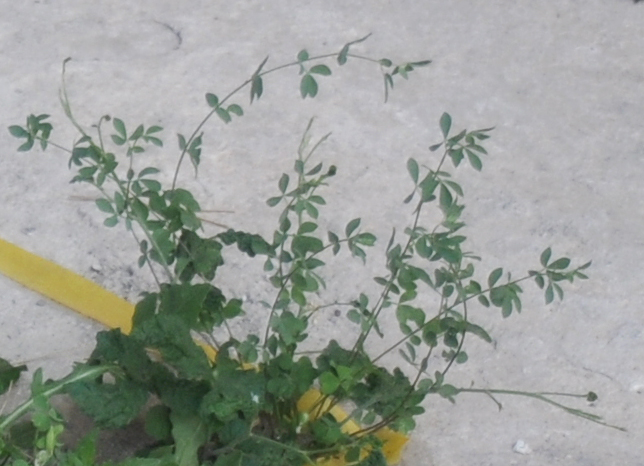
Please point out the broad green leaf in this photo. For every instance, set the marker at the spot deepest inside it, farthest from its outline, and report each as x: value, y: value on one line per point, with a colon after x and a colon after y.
x: 306, y: 227
x: 153, y: 129
x: 445, y: 199
x: 427, y: 187
x: 549, y: 294
x: 352, y: 226
x: 138, y: 132
x: 223, y: 114
x: 303, y: 55
x: 231, y: 458
x: 321, y: 70
x: 9, y: 374
x: 18, y: 131
x: 545, y: 257
x: 273, y: 201
x: 308, y: 86
x: 104, y: 206
x: 306, y: 244
x: 148, y: 171
x: 118, y: 140
x: 366, y: 239
x: 182, y: 141
x: 189, y: 433
x: 119, y: 126
x: 329, y: 383
x: 157, y: 422
x: 412, y: 167
x: 445, y: 124
x: 283, y: 183
x: 236, y: 109
x: 212, y: 100
x: 111, y: 221
x: 560, y: 264
x: 494, y: 277
x: 474, y: 160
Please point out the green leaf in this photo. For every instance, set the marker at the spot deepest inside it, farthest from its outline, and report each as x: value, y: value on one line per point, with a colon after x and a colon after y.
x: 273, y: 201
x: 549, y: 294
x: 352, y: 226
x: 283, y: 183
x: 236, y: 109
x: 119, y: 126
x: 560, y: 264
x: 412, y: 167
x: 446, y: 200
x: 329, y: 383
x: 232, y: 458
x: 212, y: 100
x: 169, y: 334
x: 321, y: 70
x: 366, y: 239
x: 148, y: 171
x: 256, y: 88
x: 494, y: 277
x: 474, y: 160
x: 111, y: 221
x: 110, y: 405
x: 306, y: 227
x: 138, y: 132
x: 189, y: 433
x: 445, y: 124
x: 118, y: 140
x: 303, y: 55
x: 182, y: 141
x: 104, y: 206
x: 9, y: 374
x: 18, y: 131
x: 153, y: 129
x: 304, y: 244
x: 157, y: 422
x: 385, y: 62
x: 223, y: 114
x: 308, y: 86
x: 545, y: 257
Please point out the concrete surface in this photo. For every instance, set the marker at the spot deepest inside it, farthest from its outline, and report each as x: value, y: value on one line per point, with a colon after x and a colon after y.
x: 562, y: 81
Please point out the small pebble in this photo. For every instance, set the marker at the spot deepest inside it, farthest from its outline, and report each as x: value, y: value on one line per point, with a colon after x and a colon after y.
x: 96, y: 268
x: 521, y: 447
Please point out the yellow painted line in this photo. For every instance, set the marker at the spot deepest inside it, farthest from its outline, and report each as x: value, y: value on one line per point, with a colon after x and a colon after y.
x: 91, y: 300
x: 65, y: 287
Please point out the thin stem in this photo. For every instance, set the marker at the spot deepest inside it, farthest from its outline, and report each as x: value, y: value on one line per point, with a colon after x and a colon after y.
x: 239, y: 88
x: 85, y: 373
x: 541, y: 396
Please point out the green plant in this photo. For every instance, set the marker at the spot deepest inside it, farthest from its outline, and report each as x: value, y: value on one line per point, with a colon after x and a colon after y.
x: 243, y: 408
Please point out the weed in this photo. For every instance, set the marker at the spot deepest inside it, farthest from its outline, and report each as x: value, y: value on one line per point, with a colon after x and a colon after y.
x: 244, y: 407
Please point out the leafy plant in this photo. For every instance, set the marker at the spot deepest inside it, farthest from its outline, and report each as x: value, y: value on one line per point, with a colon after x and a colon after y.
x: 244, y: 405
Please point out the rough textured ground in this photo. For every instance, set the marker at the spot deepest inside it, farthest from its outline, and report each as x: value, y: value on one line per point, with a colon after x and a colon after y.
x: 563, y: 82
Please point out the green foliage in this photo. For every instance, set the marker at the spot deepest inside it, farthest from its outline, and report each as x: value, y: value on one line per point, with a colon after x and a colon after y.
x: 226, y: 412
